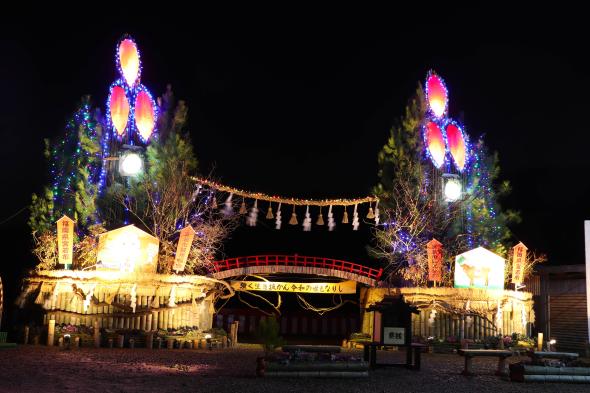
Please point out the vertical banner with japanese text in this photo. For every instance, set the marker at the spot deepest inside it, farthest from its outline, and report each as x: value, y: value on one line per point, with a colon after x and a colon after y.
x: 518, y: 261
x: 435, y: 256
x: 65, y: 240
x: 185, y: 241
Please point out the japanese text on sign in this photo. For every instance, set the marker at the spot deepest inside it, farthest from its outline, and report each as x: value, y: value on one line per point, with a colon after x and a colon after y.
x: 345, y: 287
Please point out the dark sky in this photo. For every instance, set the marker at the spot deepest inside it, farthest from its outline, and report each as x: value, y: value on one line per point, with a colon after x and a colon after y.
x: 304, y: 115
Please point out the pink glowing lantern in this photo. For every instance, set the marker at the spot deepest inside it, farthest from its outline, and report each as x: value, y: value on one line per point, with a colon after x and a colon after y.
x: 145, y: 114
x: 435, y: 143
x: 436, y: 95
x: 119, y: 109
x: 129, y: 61
x: 456, y: 144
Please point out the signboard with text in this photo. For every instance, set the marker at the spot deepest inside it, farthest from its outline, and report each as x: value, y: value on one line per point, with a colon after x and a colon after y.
x: 65, y: 240
x: 336, y: 288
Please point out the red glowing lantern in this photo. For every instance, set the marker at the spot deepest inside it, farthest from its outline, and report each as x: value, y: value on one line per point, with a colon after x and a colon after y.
x: 435, y: 143
x: 145, y: 114
x: 456, y: 144
x: 436, y: 95
x: 128, y: 58
x: 119, y: 109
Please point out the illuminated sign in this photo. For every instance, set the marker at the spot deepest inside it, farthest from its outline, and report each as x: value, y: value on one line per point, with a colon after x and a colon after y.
x: 479, y: 268
x: 332, y: 288
x: 128, y: 249
x: 518, y: 262
x: 184, y: 248
x: 65, y: 240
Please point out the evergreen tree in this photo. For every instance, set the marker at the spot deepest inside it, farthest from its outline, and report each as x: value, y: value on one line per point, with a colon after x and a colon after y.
x: 75, y: 162
x: 409, y: 190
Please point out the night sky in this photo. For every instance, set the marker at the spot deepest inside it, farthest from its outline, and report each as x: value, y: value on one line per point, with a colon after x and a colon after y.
x: 305, y: 115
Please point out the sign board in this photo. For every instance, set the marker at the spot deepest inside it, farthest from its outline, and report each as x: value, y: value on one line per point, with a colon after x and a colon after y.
x: 342, y: 288
x: 394, y: 335
x: 185, y: 241
x: 518, y: 262
x: 127, y: 249
x: 479, y: 268
x: 65, y: 240
x: 434, y: 252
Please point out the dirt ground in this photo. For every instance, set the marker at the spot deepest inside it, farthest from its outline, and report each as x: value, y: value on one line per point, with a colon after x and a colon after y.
x: 45, y: 369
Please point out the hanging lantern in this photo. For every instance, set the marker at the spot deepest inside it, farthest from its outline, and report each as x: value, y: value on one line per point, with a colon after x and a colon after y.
x: 456, y: 145
x: 128, y: 61
x: 118, y: 109
x: 145, y: 114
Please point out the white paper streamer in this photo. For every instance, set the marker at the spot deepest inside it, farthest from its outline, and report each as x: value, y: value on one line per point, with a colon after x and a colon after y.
x: 331, y: 222
x: 307, y: 221
x: 278, y: 221
x: 253, y: 216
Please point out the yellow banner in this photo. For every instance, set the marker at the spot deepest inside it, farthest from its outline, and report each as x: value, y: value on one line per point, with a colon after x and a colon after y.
x: 332, y: 288
x: 65, y: 240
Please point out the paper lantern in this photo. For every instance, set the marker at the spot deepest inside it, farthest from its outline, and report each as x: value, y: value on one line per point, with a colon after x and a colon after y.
x: 435, y: 143
x: 456, y: 144
x: 128, y: 58
x: 119, y: 109
x: 145, y: 114
x: 436, y: 95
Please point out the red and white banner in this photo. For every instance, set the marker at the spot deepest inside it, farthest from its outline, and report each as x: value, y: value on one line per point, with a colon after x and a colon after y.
x: 435, y: 256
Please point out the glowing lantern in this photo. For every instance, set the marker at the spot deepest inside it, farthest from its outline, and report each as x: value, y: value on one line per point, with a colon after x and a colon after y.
x: 436, y: 95
x: 456, y: 144
x: 145, y: 114
x: 435, y: 143
x: 128, y: 57
x: 119, y: 109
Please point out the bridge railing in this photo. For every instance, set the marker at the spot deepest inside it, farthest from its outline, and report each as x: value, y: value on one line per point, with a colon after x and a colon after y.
x: 297, y: 260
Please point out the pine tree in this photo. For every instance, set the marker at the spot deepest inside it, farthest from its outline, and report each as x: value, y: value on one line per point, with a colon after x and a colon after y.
x: 75, y: 162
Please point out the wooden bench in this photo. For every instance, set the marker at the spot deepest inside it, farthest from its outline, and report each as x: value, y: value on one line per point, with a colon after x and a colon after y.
x: 537, y: 357
x: 469, y: 354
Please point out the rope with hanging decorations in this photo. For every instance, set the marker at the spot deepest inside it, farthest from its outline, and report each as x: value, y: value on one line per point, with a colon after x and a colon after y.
x: 373, y: 201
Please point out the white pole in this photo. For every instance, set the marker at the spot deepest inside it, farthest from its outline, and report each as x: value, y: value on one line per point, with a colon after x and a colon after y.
x: 587, y: 241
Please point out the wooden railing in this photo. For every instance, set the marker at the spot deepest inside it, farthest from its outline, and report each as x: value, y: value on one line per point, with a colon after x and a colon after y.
x: 297, y: 260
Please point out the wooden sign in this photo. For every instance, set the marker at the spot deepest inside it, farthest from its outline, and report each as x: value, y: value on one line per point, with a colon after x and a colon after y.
x: 518, y: 262
x: 65, y: 240
x: 330, y: 288
x: 127, y: 249
x: 435, y: 256
x: 185, y: 241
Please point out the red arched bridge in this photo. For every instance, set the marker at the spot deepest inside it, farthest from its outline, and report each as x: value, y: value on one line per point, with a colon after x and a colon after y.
x: 296, y: 264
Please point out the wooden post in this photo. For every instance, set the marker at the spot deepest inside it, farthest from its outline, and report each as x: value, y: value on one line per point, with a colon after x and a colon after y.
x: 51, y: 332
x: 26, y: 338
x: 96, y: 334
x: 149, y: 340
x: 468, y: 363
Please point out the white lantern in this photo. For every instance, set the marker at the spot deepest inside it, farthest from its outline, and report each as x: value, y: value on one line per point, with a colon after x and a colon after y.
x: 130, y: 164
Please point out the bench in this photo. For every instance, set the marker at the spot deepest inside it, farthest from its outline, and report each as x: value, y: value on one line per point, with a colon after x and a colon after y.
x: 469, y: 354
x: 537, y: 357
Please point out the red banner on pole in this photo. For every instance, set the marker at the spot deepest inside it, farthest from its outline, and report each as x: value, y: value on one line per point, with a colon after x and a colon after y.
x: 435, y: 256
x: 518, y: 261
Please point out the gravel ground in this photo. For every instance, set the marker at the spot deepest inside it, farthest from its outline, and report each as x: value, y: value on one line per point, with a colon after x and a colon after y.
x: 44, y: 369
